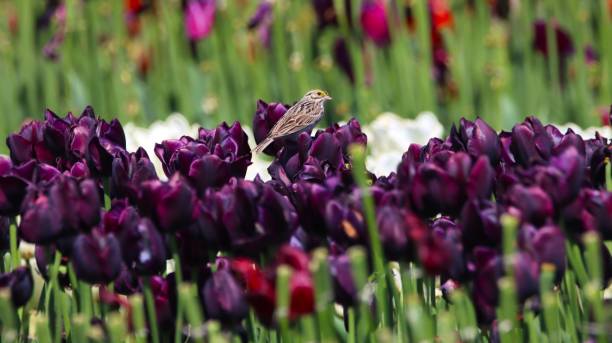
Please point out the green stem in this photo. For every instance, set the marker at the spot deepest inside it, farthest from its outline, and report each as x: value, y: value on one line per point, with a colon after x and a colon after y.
x: 283, y: 300
x: 150, y: 303
x: 16, y: 259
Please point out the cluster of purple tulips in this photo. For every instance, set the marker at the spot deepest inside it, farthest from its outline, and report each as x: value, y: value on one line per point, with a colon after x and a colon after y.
x: 71, y: 188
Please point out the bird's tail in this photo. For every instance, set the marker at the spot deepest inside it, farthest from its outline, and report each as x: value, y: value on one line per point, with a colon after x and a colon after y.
x: 261, y: 146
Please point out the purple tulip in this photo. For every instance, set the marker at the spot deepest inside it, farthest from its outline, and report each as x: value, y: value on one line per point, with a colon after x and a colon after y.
x: 127, y: 283
x: 345, y: 290
x: 29, y: 144
x: 563, y: 41
x: 374, y: 22
x: 326, y: 13
x: 254, y: 216
x: 96, y: 257
x: 534, y: 204
x: 397, y: 227
x: 143, y: 248
x: 199, y: 18
x: 4, y: 234
x: 20, y: 284
x: 530, y: 143
x: 480, y: 224
x: 163, y: 290
x: 548, y: 246
x: 342, y: 58
x: 12, y: 193
x: 563, y: 178
x: 129, y: 171
x: 40, y: 223
x: 346, y: 222
x: 223, y: 298
x: 169, y: 203
x: 476, y: 138
x: 265, y: 117
x: 309, y: 200
x: 211, y: 159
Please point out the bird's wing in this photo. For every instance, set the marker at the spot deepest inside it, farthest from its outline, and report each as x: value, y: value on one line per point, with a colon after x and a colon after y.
x: 292, y: 121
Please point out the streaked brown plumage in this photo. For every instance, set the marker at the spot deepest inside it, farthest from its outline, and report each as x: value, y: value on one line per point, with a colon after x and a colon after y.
x: 302, y: 116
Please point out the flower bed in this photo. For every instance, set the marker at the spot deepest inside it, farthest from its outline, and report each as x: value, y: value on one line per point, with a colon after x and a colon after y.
x: 480, y: 235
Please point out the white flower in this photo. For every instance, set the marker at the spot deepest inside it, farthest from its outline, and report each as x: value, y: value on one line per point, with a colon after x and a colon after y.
x: 389, y: 136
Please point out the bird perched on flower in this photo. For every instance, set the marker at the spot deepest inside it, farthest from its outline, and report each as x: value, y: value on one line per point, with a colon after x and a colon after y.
x: 302, y: 116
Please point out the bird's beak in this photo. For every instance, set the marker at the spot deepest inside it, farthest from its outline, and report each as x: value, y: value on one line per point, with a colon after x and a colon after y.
x: 327, y: 97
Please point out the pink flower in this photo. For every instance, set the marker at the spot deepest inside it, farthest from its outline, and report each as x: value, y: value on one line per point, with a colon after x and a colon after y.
x: 199, y: 18
x: 374, y: 21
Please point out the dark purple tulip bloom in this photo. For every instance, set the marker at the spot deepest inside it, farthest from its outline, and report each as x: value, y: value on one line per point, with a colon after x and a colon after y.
x: 129, y: 171
x: 12, y: 193
x: 309, y: 200
x: 119, y: 217
x: 530, y: 143
x: 40, y: 221
x: 96, y: 257
x: 20, y: 283
x: 254, y: 216
x: 143, y: 248
x: 342, y: 58
x: 563, y: 41
x: 533, y: 203
x: 397, y: 227
x: 170, y: 203
x: 224, y: 299
x: 476, y: 138
x: 55, y: 132
x: 374, y: 22
x: 162, y: 289
x: 327, y: 15
x: 76, y: 203
x: 127, y: 283
x: 29, y: 144
x: 563, y: 178
x: 4, y: 234
x: 480, y: 224
x: 211, y: 159
x: 345, y: 290
x: 548, y: 246
x: 346, y: 222
x: 265, y: 117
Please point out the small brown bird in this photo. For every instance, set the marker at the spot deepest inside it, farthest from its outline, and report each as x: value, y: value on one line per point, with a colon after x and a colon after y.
x: 302, y: 116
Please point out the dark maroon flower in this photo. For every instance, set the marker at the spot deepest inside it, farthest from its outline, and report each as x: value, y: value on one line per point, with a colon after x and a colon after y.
x: 96, y: 257
x: 563, y: 41
x: 143, y: 248
x: 265, y: 117
x: 4, y: 234
x: 480, y: 224
x: 12, y: 193
x: 374, y: 22
x: 20, y: 283
x: 342, y: 58
x: 40, y: 222
x: 533, y: 203
x: 129, y: 171
x: 211, y: 159
x: 476, y: 138
x: 564, y: 176
x: 346, y: 222
x: 169, y: 203
x: 530, y: 143
x: 127, y: 283
x: 254, y: 216
x: 345, y: 290
x: 309, y: 200
x: 327, y: 15
x: 397, y: 229
x: 548, y: 246
x: 29, y: 144
x: 223, y: 298
x: 301, y: 293
x: 162, y: 289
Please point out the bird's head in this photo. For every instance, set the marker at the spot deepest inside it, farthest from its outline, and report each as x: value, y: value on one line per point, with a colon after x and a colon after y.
x: 317, y: 95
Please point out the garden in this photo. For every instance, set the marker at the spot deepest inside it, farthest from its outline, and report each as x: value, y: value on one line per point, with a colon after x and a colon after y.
x: 306, y: 171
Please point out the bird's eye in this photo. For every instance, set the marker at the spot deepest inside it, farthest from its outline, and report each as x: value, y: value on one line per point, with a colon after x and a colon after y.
x: 319, y: 93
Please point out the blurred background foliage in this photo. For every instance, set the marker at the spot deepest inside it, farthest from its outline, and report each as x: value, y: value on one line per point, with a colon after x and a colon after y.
x: 140, y: 60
